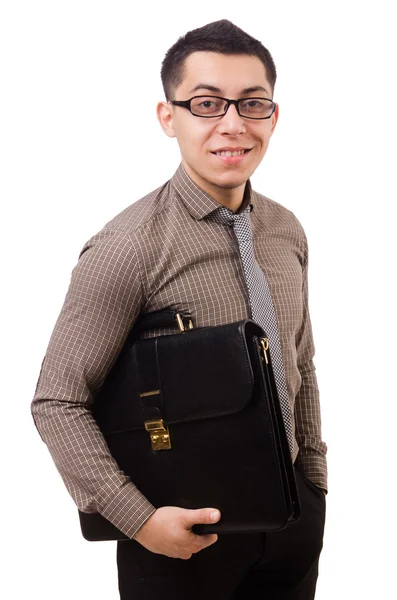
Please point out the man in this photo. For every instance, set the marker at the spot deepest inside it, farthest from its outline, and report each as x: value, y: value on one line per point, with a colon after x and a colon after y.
x: 166, y: 250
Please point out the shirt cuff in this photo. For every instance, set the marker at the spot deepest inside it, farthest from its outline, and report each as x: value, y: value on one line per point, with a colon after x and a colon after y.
x: 314, y: 467
x: 128, y: 510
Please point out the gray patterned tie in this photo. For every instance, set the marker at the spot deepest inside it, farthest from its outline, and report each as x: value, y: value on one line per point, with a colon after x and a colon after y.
x: 261, y: 302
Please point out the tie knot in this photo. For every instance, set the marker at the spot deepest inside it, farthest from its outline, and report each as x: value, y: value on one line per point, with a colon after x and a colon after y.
x: 226, y: 217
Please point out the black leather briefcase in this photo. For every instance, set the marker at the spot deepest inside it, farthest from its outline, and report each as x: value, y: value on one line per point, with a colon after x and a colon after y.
x: 193, y: 418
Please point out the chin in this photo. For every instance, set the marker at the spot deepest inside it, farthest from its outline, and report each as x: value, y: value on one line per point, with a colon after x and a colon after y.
x: 230, y: 186
x: 230, y: 181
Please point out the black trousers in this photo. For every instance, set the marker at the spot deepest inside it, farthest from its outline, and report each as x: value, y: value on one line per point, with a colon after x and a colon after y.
x: 281, y: 565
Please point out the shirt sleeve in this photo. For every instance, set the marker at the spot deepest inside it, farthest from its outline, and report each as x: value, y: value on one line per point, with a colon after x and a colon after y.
x: 312, y: 450
x: 102, y: 303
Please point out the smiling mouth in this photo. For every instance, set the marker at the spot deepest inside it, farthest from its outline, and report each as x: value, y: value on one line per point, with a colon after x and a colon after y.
x: 231, y: 152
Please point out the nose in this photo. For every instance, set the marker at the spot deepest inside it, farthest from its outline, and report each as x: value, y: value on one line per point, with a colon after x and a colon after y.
x: 231, y: 123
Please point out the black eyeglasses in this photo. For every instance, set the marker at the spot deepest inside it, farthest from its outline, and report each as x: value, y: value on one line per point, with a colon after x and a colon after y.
x: 209, y: 107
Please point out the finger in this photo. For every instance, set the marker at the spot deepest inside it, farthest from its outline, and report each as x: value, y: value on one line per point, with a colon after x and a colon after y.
x: 203, y: 541
x: 201, y: 515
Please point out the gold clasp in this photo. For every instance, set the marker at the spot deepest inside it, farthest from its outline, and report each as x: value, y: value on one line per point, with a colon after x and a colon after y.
x: 264, y: 347
x: 180, y: 322
x: 159, y: 434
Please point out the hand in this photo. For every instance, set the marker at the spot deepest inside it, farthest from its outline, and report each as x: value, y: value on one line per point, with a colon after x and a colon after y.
x: 168, y: 531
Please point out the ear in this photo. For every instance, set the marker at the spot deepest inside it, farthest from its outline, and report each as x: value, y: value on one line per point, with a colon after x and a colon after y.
x: 274, y: 118
x: 165, y: 115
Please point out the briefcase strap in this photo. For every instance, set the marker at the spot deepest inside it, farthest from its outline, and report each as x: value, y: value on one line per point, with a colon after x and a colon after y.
x: 164, y: 317
x: 151, y: 399
x: 149, y: 379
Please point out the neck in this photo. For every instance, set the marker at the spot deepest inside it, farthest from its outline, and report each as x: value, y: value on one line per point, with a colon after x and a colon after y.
x: 232, y: 198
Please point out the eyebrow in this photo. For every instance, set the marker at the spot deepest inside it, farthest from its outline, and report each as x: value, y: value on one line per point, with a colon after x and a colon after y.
x: 216, y: 90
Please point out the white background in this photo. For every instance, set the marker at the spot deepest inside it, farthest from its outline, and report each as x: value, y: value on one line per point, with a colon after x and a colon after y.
x: 80, y: 142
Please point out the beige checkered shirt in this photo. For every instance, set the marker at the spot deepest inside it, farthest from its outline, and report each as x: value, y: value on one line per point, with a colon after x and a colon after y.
x: 162, y: 251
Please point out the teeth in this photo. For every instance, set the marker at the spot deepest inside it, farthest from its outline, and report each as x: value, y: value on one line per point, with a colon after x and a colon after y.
x: 229, y: 153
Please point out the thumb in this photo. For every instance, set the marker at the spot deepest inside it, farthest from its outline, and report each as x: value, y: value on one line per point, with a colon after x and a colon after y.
x: 202, y: 515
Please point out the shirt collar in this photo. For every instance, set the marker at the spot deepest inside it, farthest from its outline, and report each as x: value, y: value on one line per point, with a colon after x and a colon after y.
x: 199, y: 203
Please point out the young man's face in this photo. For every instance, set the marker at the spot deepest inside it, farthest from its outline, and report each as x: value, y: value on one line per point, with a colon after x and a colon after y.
x: 200, y: 139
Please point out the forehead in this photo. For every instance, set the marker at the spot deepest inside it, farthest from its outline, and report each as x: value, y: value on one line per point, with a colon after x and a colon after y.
x: 230, y: 73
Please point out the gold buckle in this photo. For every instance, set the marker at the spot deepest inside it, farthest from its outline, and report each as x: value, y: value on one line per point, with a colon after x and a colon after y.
x: 180, y: 322
x: 264, y: 346
x: 159, y: 434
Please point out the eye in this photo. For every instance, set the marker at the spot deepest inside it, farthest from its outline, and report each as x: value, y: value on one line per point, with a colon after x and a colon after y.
x: 256, y: 108
x: 207, y: 106
x: 251, y: 104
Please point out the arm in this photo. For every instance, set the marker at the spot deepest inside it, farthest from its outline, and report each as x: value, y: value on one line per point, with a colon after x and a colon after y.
x: 312, y: 450
x: 103, y: 300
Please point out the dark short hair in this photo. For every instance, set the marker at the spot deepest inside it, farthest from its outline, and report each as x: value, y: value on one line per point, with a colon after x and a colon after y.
x: 221, y: 36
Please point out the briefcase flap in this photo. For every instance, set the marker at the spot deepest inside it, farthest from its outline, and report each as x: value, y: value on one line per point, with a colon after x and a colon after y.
x: 197, y: 374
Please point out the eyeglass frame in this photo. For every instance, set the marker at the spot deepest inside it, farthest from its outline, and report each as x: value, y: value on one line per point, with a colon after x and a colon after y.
x: 187, y: 103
